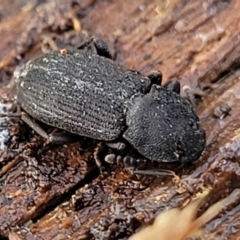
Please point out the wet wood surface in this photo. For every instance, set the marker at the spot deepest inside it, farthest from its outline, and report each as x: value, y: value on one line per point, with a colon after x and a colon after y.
x: 58, y: 193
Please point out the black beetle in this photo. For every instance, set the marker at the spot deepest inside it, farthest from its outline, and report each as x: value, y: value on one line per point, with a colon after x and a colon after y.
x: 85, y: 92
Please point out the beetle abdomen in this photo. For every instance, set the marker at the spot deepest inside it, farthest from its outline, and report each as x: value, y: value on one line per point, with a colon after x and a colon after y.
x: 79, y: 92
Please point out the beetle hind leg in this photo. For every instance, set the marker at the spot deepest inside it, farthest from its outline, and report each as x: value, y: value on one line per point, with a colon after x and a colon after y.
x: 96, y: 155
x: 55, y: 138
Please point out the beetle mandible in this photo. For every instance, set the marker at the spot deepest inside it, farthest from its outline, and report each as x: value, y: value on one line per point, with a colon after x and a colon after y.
x: 85, y: 92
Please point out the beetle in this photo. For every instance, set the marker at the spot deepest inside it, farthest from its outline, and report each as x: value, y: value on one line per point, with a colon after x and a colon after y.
x: 83, y: 91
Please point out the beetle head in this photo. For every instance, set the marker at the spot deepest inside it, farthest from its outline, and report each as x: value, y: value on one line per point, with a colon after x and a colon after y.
x: 163, y: 127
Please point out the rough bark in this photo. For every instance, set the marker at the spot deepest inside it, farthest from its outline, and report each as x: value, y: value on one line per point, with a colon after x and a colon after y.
x: 196, y: 41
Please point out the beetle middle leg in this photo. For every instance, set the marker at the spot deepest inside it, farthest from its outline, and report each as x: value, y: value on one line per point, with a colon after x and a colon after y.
x: 97, y: 46
x: 56, y: 138
x: 173, y: 85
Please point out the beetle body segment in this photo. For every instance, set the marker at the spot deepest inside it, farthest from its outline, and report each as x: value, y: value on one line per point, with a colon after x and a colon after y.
x: 163, y: 127
x: 79, y: 92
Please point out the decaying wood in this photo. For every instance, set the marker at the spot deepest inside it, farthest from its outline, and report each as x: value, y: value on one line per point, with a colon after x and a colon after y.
x: 53, y: 192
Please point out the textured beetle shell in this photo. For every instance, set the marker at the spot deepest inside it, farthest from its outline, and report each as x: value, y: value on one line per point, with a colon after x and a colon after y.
x: 79, y: 92
x: 168, y: 131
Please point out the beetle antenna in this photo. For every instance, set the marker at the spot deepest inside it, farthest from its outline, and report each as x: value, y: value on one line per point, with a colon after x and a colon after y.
x: 159, y: 173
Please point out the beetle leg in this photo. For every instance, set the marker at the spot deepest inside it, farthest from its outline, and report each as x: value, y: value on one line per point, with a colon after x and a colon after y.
x: 132, y: 159
x: 124, y: 154
x: 155, y: 78
x: 189, y: 95
x: 86, y: 44
x: 56, y: 138
x: 30, y: 122
x: 15, y: 110
x: 173, y: 85
x: 96, y: 157
x: 102, y: 48
x: 97, y: 46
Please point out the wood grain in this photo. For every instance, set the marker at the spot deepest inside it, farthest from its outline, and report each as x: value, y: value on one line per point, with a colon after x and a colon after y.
x: 195, y: 41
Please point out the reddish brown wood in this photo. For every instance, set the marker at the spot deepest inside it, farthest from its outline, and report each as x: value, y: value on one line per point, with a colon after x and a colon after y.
x: 196, y: 41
